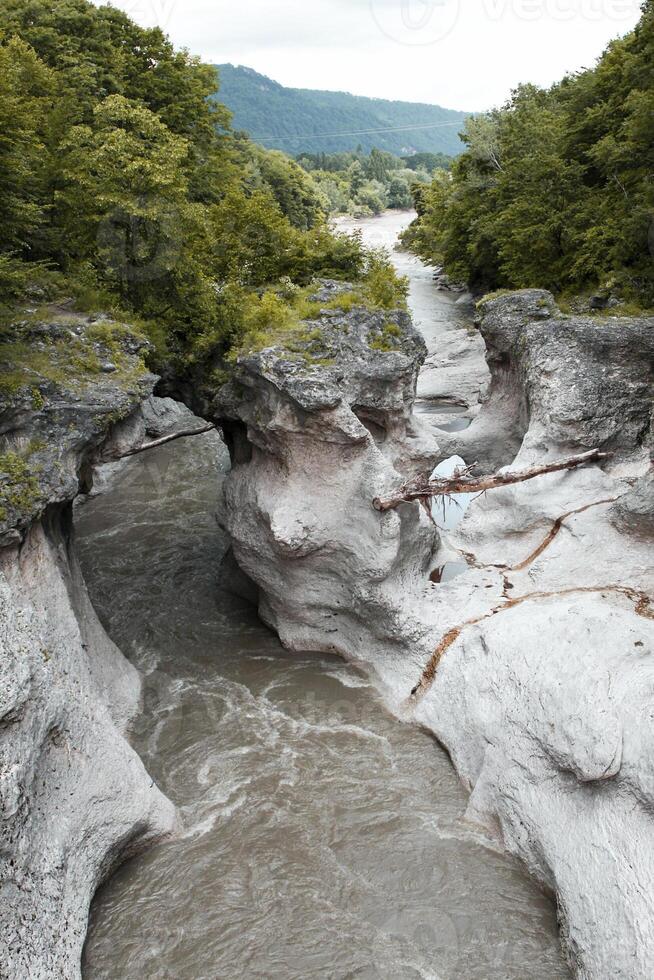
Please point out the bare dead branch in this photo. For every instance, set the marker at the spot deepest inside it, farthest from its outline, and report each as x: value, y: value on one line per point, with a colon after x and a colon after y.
x: 183, y: 434
x: 462, y: 481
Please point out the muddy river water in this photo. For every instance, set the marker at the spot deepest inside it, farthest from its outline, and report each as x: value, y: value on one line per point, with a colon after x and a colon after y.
x: 319, y: 836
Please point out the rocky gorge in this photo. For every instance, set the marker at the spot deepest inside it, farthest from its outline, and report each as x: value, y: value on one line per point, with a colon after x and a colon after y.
x: 75, y: 797
x: 531, y: 668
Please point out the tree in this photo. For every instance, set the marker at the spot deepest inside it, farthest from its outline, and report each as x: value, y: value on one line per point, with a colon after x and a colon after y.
x: 293, y: 189
x: 356, y: 177
x: 555, y: 189
x: 254, y: 242
x: 371, y: 198
x: 399, y: 193
x: 125, y: 193
x: 378, y: 165
x: 26, y: 100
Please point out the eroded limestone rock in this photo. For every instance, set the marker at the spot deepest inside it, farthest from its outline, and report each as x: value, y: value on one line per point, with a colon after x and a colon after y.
x: 536, y: 664
x: 561, y: 383
x: 75, y: 798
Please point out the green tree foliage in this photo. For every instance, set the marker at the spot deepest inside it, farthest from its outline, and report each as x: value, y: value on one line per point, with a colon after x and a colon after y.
x: 127, y: 172
x: 557, y: 188
x: 99, y: 51
x: 362, y: 184
x: 254, y: 242
x: 399, y: 194
x: 26, y: 89
x: 295, y: 192
x: 121, y: 179
x: 429, y: 161
x: 379, y: 165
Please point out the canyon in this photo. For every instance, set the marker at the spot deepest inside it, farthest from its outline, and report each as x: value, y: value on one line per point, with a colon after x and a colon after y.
x: 532, y: 668
x: 530, y: 665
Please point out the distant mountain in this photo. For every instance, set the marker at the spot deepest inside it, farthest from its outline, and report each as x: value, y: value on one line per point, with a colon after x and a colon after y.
x: 264, y: 108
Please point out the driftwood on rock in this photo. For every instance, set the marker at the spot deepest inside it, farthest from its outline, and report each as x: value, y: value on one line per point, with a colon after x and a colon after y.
x: 422, y: 489
x: 185, y: 433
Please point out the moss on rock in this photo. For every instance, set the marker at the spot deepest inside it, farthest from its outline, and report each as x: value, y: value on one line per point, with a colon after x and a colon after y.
x: 19, y: 485
x: 65, y: 380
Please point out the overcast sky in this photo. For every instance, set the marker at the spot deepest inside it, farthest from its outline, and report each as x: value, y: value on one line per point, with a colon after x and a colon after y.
x: 463, y: 54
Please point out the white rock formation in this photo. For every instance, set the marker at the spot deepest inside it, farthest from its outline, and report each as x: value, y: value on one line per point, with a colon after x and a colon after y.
x: 75, y: 798
x: 535, y: 669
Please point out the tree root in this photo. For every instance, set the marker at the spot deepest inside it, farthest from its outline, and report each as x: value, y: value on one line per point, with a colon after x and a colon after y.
x: 471, y: 559
x: 642, y: 603
x: 552, y: 533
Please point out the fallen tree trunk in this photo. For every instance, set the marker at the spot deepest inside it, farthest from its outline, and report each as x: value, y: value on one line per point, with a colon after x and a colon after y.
x: 183, y: 434
x: 422, y: 489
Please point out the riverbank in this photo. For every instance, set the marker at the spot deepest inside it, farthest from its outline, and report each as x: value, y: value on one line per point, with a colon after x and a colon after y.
x: 75, y: 798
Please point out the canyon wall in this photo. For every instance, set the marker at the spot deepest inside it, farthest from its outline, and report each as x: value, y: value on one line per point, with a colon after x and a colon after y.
x: 75, y: 798
x: 535, y: 667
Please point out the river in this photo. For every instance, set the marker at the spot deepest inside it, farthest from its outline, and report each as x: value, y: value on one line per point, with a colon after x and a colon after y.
x: 434, y: 313
x: 319, y: 837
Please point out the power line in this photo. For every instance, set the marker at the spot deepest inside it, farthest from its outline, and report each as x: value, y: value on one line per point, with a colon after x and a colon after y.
x: 360, y: 132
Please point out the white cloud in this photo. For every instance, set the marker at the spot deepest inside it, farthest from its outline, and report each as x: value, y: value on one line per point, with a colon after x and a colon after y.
x: 465, y: 54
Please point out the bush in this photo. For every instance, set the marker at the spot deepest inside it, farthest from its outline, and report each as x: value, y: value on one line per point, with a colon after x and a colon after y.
x: 25, y: 281
x: 384, y: 287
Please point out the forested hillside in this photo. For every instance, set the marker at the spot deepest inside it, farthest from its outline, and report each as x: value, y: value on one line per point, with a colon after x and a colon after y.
x: 556, y: 189
x: 123, y: 188
x: 264, y: 108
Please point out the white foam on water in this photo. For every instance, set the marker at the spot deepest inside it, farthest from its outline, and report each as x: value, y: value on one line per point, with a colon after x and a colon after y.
x: 203, y: 774
x: 463, y: 831
x: 348, y: 679
x: 208, y: 823
x: 147, y: 657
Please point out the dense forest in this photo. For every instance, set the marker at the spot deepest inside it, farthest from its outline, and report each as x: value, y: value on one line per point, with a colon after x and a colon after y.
x: 265, y: 108
x: 555, y: 189
x: 123, y: 186
x: 363, y: 184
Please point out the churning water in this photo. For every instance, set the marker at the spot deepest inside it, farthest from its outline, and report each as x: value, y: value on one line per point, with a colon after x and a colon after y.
x: 320, y: 837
